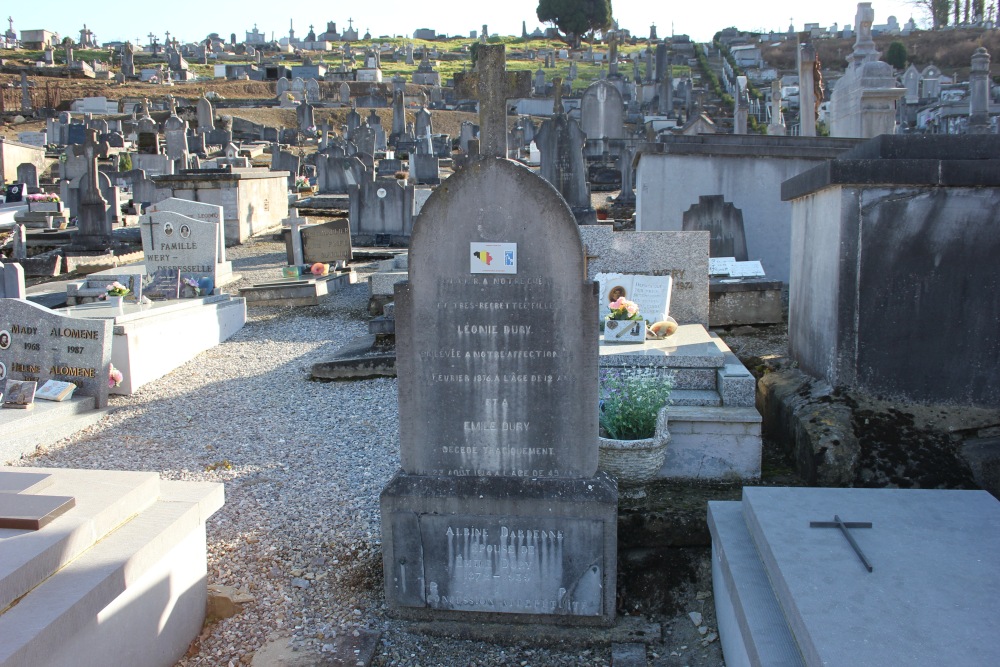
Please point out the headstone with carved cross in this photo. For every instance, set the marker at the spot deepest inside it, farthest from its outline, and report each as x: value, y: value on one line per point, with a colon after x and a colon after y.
x: 492, y: 85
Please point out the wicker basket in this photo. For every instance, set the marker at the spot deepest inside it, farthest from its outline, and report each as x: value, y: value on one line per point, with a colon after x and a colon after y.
x: 635, y: 462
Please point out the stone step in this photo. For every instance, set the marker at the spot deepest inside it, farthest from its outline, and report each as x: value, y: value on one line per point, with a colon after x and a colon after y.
x: 695, y: 397
x: 25, y: 430
x: 752, y: 626
x: 136, y: 590
x: 100, y: 507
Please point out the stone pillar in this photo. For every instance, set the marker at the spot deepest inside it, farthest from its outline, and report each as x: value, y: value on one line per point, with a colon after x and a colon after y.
x: 979, y: 92
x: 807, y: 92
x: 777, y: 126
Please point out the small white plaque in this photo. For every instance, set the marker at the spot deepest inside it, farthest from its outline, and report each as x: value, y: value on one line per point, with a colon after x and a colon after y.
x: 747, y: 270
x: 493, y: 258
x: 720, y: 266
x: 381, y: 193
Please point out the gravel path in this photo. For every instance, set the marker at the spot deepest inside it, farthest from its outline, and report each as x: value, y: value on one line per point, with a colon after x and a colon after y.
x: 303, y: 463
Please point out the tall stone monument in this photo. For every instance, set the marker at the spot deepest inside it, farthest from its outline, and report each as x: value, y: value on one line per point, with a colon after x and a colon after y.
x: 499, y: 513
x: 979, y: 92
x: 93, y: 227
x: 560, y: 142
x: 865, y: 99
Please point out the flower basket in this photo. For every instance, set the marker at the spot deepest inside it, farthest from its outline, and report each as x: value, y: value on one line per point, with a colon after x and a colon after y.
x: 624, y: 331
x: 635, y: 462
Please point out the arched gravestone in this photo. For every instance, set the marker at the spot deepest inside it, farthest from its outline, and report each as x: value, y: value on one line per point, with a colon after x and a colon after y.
x: 497, y: 365
x: 725, y: 223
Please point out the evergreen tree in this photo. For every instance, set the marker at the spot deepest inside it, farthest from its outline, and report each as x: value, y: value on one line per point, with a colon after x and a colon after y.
x: 575, y: 18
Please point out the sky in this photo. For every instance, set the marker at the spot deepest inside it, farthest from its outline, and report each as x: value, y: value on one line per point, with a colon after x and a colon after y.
x: 191, y: 20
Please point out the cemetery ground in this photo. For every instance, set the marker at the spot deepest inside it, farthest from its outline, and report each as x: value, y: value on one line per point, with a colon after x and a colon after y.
x: 304, y: 462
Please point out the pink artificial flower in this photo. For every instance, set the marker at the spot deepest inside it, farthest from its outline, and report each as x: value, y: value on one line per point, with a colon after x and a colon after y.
x: 115, y: 377
x: 631, y: 308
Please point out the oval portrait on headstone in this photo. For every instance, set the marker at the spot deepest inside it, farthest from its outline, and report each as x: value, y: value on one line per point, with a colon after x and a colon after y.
x: 168, y: 228
x: 381, y: 193
x: 4, y: 339
x: 185, y: 231
x: 3, y: 371
x: 616, y: 292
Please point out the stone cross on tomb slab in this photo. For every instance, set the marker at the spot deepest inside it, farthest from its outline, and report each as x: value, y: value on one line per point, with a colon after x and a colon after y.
x: 492, y: 85
x: 845, y: 527
x: 21, y: 508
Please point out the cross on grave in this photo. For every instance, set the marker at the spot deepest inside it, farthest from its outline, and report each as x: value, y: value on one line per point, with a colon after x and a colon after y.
x: 151, y: 38
x: 845, y: 527
x: 493, y: 85
x: 22, y: 509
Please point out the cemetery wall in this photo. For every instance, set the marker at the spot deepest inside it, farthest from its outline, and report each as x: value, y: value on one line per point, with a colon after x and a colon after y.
x: 13, y: 153
x: 748, y: 173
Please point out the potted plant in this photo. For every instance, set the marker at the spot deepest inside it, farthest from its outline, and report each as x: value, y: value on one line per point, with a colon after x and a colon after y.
x: 624, y: 324
x: 602, y: 212
x: 633, y: 420
x: 115, y: 293
x: 302, y: 184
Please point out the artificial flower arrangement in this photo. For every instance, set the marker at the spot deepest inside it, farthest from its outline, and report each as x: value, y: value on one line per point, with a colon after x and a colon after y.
x: 623, y: 309
x: 193, y: 284
x: 43, y: 197
x: 320, y: 269
x: 114, y: 377
x: 302, y: 183
x: 116, y: 289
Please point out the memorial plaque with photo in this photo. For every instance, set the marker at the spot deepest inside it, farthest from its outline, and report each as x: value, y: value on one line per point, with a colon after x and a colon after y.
x: 174, y: 241
x: 44, y: 345
x: 19, y: 394
x: 650, y: 293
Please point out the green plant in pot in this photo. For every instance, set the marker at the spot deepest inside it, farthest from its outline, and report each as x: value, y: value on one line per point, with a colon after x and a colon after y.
x: 633, y: 420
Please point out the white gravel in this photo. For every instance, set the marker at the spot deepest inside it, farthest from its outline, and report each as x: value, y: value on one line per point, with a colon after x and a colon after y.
x: 303, y: 463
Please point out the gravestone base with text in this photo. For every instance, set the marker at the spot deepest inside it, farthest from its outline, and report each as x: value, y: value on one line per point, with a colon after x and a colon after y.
x: 512, y: 550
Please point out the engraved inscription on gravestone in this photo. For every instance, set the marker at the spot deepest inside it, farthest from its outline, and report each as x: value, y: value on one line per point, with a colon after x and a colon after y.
x: 43, y: 345
x: 327, y: 242
x: 491, y: 358
x: 519, y: 565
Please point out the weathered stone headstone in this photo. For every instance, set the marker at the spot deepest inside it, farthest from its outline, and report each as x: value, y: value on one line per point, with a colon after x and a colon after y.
x: 27, y: 173
x: 725, y: 223
x: 498, y: 513
x: 345, y: 93
x: 93, y: 226
x: 42, y: 345
x: 602, y: 113
x: 11, y: 281
x: 560, y: 141
x: 327, y: 242
x: 206, y: 115
x: 335, y: 174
